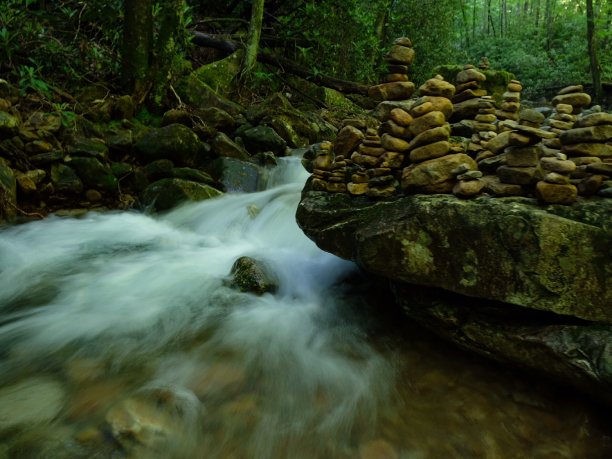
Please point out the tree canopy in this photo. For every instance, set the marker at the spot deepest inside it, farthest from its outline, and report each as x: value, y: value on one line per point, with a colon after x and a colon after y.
x: 543, y: 42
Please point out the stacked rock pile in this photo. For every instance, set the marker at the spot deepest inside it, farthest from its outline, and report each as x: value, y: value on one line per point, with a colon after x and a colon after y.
x: 468, y: 84
x: 574, y: 96
x: 556, y: 188
x: 373, y: 175
x: 589, y: 146
x: 560, y: 121
x: 511, y: 105
x: 434, y: 163
x: 485, y: 129
x: 397, y: 85
x: 329, y: 173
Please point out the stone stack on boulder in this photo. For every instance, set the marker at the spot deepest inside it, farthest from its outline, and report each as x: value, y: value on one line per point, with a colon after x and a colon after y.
x: 562, y: 119
x: 518, y: 151
x: 383, y: 178
x: 434, y: 164
x: 322, y: 166
x: 574, y: 96
x: 556, y: 188
x: 397, y: 85
x: 589, y: 145
x: 467, y: 92
x: 485, y: 129
x: 511, y: 105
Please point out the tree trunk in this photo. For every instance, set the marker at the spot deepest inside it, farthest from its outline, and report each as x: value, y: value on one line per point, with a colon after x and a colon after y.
x: 166, y: 47
x: 592, y: 48
x: 252, y: 46
x: 466, y: 30
x: 137, y: 42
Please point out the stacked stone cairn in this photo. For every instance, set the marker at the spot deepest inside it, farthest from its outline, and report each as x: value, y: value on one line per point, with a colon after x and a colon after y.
x: 397, y: 85
x: 329, y: 172
x: 434, y: 163
x: 556, y: 188
x: 485, y: 129
x: 589, y: 146
x: 517, y: 149
x: 376, y: 167
x: 468, y: 84
x: 574, y: 96
x: 511, y: 104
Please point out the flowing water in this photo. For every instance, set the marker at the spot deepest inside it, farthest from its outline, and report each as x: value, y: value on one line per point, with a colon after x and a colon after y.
x: 120, y: 337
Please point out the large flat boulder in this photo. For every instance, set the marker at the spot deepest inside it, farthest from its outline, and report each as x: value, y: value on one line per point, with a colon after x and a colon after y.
x: 553, y: 258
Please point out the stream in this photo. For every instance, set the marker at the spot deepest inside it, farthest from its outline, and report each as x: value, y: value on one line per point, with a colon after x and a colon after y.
x: 120, y: 338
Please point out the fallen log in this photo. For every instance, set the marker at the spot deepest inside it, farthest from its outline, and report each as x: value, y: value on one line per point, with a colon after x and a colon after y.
x: 284, y: 64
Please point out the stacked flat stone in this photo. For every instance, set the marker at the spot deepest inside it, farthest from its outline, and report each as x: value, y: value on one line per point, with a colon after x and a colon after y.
x: 560, y: 121
x: 322, y: 166
x: 329, y: 172
x: 434, y: 164
x: 511, y: 105
x: 589, y: 146
x: 468, y: 84
x: 555, y: 188
x: 574, y: 96
x: 397, y: 85
x: 485, y: 129
x: 518, y: 168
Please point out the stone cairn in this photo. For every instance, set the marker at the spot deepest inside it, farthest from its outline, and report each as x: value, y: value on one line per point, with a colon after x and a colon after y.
x: 556, y: 188
x: 574, y: 96
x: 374, y: 177
x: 397, y: 85
x: 511, y: 104
x: 329, y: 173
x: 468, y: 84
x: 435, y: 165
x: 485, y: 128
x: 589, y: 146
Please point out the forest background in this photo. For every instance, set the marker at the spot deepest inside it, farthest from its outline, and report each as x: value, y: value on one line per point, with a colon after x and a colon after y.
x: 547, y: 44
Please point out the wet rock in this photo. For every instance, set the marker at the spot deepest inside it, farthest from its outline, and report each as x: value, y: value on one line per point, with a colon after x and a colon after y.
x: 347, y: 141
x: 170, y: 192
x: 238, y: 176
x: 94, y: 174
x: 253, y: 276
x: 263, y: 138
x: 194, y: 175
x: 222, y: 145
x: 31, y: 401
x: 65, y: 179
x: 9, y: 125
x: 175, y: 142
x: 539, y: 260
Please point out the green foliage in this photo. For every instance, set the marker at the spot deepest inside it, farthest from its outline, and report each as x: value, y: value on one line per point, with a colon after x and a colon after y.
x: 30, y: 79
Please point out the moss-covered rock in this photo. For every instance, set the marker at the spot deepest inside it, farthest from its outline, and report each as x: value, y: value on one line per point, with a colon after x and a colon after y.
x: 198, y: 94
x: 505, y: 249
x: 175, y: 142
x: 9, y: 125
x: 263, y: 138
x: 221, y: 75
x: 238, y: 176
x: 495, y: 84
x: 170, y: 192
x: 94, y: 174
x: 253, y: 276
x: 65, y: 179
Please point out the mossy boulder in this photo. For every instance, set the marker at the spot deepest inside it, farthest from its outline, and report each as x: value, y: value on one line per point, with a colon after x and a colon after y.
x: 263, y: 138
x: 495, y: 84
x: 253, y: 276
x: 170, y: 192
x: 175, y: 142
x: 65, y: 179
x: 238, y: 176
x: 221, y: 75
x: 198, y: 94
x: 95, y: 174
x: 91, y: 147
x: 9, y: 125
x: 503, y: 249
